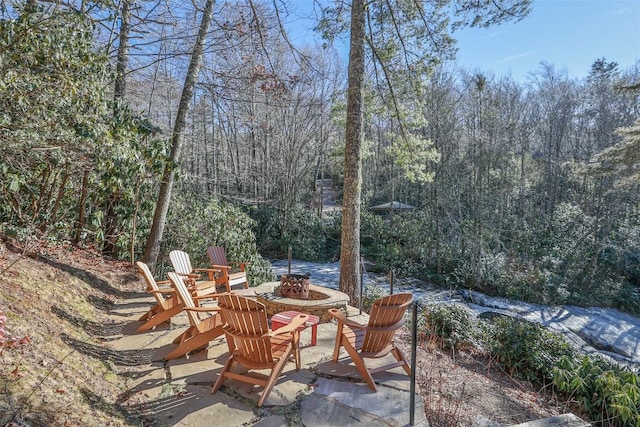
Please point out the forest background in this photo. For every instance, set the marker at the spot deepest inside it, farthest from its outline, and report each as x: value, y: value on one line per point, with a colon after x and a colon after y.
x: 525, y: 190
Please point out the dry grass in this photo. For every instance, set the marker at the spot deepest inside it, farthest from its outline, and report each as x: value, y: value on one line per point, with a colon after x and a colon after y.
x: 64, y: 375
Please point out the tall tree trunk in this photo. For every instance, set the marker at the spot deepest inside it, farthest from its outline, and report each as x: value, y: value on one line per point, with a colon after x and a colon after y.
x: 350, y: 247
x: 59, y: 197
x: 122, y: 59
x: 82, y: 206
x: 111, y: 218
x: 152, y: 248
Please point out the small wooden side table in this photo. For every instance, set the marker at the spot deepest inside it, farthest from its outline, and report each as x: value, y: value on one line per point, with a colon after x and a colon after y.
x: 279, y: 320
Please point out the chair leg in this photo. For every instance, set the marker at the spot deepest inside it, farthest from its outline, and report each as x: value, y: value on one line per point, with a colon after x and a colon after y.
x: 194, y: 342
x: 296, y: 348
x: 222, y: 378
x: 361, y: 367
x: 161, y: 317
x: 275, y: 373
x: 185, y: 335
x: 336, y: 348
x: 399, y: 355
x: 149, y: 314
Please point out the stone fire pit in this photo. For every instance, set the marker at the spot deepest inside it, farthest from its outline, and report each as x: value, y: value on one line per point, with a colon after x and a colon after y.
x: 320, y: 300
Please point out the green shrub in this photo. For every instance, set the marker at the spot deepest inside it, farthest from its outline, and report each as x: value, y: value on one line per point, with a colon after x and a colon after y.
x: 450, y: 325
x: 311, y: 238
x: 608, y: 393
x: 399, y: 242
x: 193, y: 225
x: 526, y: 350
x: 370, y: 294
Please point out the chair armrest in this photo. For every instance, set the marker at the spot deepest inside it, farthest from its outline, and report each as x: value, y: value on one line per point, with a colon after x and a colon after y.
x: 211, y: 272
x: 163, y: 282
x: 219, y: 267
x: 205, y: 309
x: 296, y: 322
x: 188, y: 275
x: 208, y: 296
x: 340, y: 317
x: 163, y: 291
x: 242, y: 265
x: 206, y: 270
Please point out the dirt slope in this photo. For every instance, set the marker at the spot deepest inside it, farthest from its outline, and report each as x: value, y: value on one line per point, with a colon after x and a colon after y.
x: 63, y: 374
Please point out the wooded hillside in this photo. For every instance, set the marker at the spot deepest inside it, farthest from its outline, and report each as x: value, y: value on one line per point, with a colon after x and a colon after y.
x: 524, y: 189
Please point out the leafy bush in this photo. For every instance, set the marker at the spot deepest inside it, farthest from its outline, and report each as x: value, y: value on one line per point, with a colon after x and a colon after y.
x: 608, y: 393
x: 312, y: 238
x: 526, y: 350
x: 370, y: 294
x: 76, y: 165
x: 212, y: 223
x: 627, y: 298
x: 398, y: 242
x: 450, y: 325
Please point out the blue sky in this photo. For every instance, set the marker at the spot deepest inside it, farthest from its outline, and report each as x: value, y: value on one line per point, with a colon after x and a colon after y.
x: 569, y: 34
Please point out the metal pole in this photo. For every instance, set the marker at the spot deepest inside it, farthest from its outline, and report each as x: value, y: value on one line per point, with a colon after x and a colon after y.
x: 289, y: 265
x: 391, y: 282
x: 361, y: 284
x: 414, y: 346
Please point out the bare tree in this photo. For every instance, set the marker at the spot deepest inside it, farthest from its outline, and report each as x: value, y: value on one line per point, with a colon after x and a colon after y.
x: 152, y: 248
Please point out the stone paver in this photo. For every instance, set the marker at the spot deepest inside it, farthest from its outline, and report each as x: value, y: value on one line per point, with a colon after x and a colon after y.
x: 178, y: 392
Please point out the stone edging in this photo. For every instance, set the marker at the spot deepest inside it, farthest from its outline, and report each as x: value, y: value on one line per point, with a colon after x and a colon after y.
x: 276, y: 304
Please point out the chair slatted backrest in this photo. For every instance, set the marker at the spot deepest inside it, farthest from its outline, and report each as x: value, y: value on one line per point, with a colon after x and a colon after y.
x: 185, y: 297
x: 248, y: 326
x: 181, y: 262
x: 152, y: 285
x: 217, y: 255
x: 387, y: 316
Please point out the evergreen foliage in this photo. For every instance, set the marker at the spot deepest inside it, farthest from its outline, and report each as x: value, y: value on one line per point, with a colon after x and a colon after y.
x: 609, y: 394
x: 52, y: 88
x: 69, y: 168
x: 449, y: 325
x: 195, y: 223
x: 490, y: 164
x: 311, y: 237
x: 525, y: 350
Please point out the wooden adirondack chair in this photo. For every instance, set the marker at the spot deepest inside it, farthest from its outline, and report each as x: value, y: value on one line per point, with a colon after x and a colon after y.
x: 167, y: 302
x: 202, y: 329
x: 375, y: 339
x: 193, y: 276
x: 253, y: 346
x: 227, y: 276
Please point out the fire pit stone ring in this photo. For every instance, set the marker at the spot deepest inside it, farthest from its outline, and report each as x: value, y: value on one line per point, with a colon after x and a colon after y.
x: 320, y: 300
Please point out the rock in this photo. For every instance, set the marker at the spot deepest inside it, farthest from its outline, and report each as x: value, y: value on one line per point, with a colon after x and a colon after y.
x: 564, y: 420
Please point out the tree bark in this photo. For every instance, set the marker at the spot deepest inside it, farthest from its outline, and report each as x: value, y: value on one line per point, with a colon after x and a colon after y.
x: 350, y: 247
x: 82, y: 206
x: 120, y: 84
x: 111, y: 218
x: 152, y: 248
